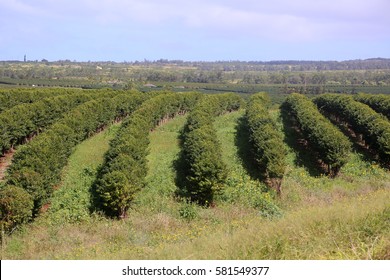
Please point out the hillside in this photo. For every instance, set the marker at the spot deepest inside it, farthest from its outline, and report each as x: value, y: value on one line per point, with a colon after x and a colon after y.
x: 315, y: 218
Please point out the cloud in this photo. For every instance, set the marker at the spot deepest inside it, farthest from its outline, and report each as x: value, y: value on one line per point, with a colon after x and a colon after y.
x: 197, y: 24
x: 277, y: 19
x: 299, y: 19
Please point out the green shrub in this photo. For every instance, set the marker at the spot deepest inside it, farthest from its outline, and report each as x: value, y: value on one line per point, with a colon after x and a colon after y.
x: 266, y: 141
x: 16, y: 206
x: 204, y: 173
x: 28, y: 119
x: 188, y: 211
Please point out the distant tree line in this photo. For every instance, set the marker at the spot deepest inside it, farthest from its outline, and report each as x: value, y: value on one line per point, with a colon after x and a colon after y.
x: 370, y: 72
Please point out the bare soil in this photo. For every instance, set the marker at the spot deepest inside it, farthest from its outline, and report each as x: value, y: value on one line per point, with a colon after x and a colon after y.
x: 5, y: 161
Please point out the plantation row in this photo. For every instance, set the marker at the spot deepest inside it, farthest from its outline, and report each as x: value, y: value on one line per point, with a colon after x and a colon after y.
x: 204, y: 173
x: 266, y: 141
x: 37, y: 166
x: 329, y: 143
x: 374, y: 128
x: 25, y: 120
x: 379, y: 102
x: 125, y: 165
x: 12, y: 97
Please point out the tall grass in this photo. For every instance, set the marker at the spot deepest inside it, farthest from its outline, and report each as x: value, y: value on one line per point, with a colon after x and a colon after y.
x: 355, y: 228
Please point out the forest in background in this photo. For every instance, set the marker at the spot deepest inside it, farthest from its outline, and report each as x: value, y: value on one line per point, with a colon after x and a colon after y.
x: 282, y: 77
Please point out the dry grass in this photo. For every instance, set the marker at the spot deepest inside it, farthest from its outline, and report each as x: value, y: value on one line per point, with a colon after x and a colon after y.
x: 357, y: 228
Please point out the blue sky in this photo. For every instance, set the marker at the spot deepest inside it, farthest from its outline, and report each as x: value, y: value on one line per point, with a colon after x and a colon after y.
x: 129, y: 30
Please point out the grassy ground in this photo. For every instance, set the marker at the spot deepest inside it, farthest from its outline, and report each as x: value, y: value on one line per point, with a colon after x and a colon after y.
x: 315, y: 218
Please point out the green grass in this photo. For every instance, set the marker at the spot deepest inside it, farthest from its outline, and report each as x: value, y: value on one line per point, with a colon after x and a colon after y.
x: 71, y: 202
x: 319, y: 218
x: 158, y: 194
x: 241, y: 187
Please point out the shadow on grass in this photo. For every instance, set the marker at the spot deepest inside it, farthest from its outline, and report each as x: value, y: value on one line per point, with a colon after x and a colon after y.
x: 245, y: 154
x: 180, y: 166
x: 305, y: 157
x: 96, y: 202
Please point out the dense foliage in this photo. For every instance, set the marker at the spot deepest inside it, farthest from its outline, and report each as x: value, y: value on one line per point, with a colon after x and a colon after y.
x: 373, y: 127
x: 16, y: 206
x: 266, y: 141
x: 204, y: 172
x: 37, y: 166
x: 380, y: 103
x: 25, y: 120
x: 328, y: 141
x: 125, y: 165
x: 13, y: 97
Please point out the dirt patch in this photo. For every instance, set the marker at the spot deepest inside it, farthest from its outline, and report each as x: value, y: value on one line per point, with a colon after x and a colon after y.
x: 5, y: 161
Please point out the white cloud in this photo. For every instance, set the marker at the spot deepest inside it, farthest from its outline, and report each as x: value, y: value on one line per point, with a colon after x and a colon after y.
x: 276, y: 19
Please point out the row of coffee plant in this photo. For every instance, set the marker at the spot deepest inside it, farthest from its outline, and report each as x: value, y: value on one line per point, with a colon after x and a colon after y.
x: 268, y: 149
x: 36, y: 167
x: 372, y: 127
x: 25, y: 120
x: 330, y: 144
x: 379, y: 102
x: 13, y: 97
x: 204, y: 172
x: 125, y: 166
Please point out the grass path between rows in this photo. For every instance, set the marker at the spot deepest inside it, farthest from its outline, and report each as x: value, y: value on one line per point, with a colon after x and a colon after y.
x: 71, y: 202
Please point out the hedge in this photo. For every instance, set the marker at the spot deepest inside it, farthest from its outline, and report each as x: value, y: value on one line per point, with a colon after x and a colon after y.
x: 373, y: 127
x: 204, y: 172
x: 26, y: 120
x: 266, y: 141
x: 12, y: 97
x: 331, y: 145
x: 379, y: 102
x: 37, y: 166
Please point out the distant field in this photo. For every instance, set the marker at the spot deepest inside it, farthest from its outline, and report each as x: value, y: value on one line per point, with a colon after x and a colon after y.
x: 278, y: 77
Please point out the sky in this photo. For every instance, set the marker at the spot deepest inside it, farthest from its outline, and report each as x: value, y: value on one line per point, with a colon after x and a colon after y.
x: 197, y: 30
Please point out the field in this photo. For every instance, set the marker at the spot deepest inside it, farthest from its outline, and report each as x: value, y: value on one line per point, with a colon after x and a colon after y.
x: 314, y: 217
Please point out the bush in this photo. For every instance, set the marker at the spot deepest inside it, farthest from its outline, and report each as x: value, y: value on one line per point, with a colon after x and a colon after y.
x: 266, y: 141
x: 188, y: 211
x: 204, y: 172
x: 16, y: 206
